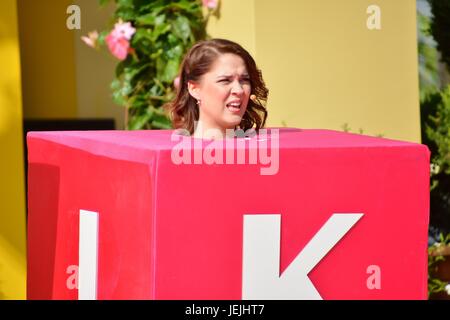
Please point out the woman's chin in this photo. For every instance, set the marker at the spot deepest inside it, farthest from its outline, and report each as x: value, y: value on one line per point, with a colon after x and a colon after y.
x: 232, y: 122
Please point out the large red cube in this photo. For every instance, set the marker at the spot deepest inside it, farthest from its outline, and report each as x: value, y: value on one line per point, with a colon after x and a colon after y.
x: 291, y: 214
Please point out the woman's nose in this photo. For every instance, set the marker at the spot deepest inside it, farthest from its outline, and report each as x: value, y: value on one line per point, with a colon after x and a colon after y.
x: 237, y: 88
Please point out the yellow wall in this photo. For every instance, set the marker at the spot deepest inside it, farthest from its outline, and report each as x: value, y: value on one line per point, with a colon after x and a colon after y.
x: 324, y: 68
x: 48, y: 59
x: 12, y: 196
x: 62, y: 77
x: 95, y: 70
x: 236, y: 21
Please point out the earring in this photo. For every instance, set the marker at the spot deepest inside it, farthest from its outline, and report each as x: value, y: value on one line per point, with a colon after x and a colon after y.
x: 198, y: 102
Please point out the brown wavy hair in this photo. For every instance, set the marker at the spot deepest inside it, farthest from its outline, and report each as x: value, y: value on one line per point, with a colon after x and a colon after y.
x: 183, y: 110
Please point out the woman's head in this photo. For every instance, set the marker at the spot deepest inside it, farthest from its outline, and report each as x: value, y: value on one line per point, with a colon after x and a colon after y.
x: 217, y: 78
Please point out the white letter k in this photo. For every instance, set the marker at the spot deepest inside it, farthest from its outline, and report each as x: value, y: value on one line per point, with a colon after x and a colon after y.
x: 261, y: 278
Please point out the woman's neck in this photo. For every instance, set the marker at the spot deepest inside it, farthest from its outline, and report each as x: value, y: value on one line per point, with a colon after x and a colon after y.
x: 212, y: 132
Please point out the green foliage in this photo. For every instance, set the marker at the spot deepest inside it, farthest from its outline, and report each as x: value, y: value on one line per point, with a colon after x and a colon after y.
x: 435, y: 126
x: 435, y: 115
x: 346, y: 128
x: 440, y: 27
x: 435, y: 256
x: 436, y: 109
x: 165, y: 30
x: 428, y: 57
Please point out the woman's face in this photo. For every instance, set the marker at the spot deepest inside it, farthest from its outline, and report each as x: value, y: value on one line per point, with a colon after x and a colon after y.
x: 223, y: 92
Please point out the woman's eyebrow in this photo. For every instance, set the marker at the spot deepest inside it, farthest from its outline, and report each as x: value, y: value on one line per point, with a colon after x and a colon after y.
x: 224, y: 76
x: 230, y: 76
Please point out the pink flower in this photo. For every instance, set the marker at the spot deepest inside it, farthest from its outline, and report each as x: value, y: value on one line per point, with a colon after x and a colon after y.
x: 123, y: 30
x: 91, y: 39
x: 176, y: 82
x: 118, y: 39
x: 210, y: 4
x: 119, y: 47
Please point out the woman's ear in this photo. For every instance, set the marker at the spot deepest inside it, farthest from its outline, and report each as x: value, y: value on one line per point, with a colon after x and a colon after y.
x: 194, y: 89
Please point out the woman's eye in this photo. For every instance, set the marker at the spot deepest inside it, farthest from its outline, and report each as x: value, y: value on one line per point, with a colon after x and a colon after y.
x: 243, y: 80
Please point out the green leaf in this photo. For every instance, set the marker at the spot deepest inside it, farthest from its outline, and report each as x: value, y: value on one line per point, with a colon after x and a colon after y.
x: 131, y: 72
x: 156, y: 54
x: 181, y: 28
x: 119, y: 69
x: 146, y: 20
x: 161, y: 125
x: 103, y: 2
x: 115, y: 84
x: 159, y: 119
x: 184, y: 5
x: 170, y: 71
x: 139, y: 121
x: 142, y: 34
x: 124, y: 3
x: 172, y: 40
x: 160, y: 30
x: 126, y: 13
x: 175, y: 52
x: 101, y: 37
x: 160, y: 19
x: 118, y: 98
x: 127, y: 89
x: 154, y: 7
x: 155, y: 90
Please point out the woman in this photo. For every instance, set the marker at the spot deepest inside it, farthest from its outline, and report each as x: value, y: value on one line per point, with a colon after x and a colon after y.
x: 220, y: 90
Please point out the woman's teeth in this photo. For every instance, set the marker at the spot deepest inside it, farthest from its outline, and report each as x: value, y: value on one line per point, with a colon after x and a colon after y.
x: 234, y: 105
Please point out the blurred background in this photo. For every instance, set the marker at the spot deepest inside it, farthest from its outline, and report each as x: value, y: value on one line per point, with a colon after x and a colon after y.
x: 378, y: 68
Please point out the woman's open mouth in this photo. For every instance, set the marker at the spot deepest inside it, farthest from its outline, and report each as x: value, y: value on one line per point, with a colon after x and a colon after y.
x: 234, y: 106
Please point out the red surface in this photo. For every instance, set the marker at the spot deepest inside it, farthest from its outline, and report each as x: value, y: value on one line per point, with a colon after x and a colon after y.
x: 175, y: 231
